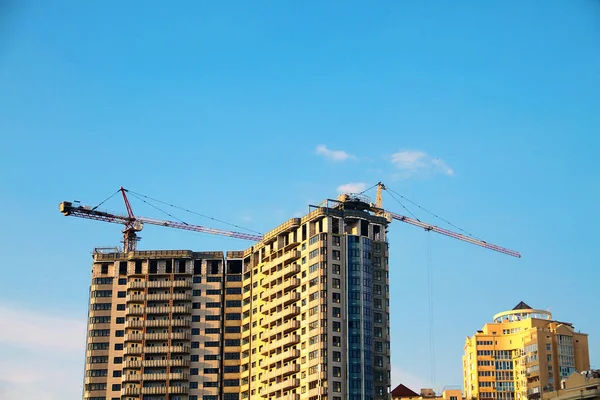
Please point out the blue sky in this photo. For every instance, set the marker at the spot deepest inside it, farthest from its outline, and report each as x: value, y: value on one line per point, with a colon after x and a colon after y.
x: 483, y: 112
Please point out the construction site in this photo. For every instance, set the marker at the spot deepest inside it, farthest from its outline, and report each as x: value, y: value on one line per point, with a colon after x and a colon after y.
x: 301, y: 313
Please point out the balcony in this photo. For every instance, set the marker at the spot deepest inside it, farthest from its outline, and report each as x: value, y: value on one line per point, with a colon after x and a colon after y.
x: 166, y: 363
x: 135, y: 310
x: 154, y: 390
x: 156, y: 349
x: 317, y: 391
x: 132, y: 350
x: 182, y: 322
x: 285, y: 327
x: 291, y: 312
x: 181, y: 310
x: 290, y: 256
x: 291, y: 396
x: 131, y: 391
x: 178, y: 389
x: 291, y: 283
x: 284, y: 356
x: 283, y: 342
x: 134, y: 324
x: 131, y: 377
x: 134, y: 337
x: 284, y: 385
x: 133, y: 364
x: 154, y: 323
x: 135, y: 298
x: 136, y: 284
x: 159, y: 284
x: 159, y: 296
x: 185, y: 283
x: 285, y: 371
x: 182, y: 296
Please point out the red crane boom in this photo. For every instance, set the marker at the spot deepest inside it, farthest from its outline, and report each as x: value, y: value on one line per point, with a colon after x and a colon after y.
x: 454, y: 235
x: 134, y: 224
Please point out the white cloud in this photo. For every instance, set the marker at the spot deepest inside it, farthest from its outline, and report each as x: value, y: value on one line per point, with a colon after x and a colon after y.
x: 352, y: 187
x: 333, y: 155
x: 42, y: 355
x: 412, y: 163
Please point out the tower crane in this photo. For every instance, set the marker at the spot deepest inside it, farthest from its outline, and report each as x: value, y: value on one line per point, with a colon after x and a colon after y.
x: 428, y: 227
x: 133, y: 224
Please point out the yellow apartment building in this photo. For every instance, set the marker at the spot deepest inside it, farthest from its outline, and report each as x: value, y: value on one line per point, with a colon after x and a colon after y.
x: 303, y: 314
x: 522, y: 354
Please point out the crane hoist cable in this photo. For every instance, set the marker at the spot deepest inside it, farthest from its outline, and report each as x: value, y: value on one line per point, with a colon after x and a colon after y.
x: 105, y: 200
x: 431, y: 213
x: 190, y: 211
x: 431, y: 307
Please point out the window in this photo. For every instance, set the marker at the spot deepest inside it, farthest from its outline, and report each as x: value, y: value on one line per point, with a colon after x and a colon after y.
x: 116, y: 387
x: 337, y: 386
x: 193, y: 371
x: 337, y: 341
x: 232, y: 356
x: 233, y: 290
x: 233, y: 316
x: 121, y: 294
x: 122, y: 281
x: 195, y: 345
x: 118, y: 346
x: 102, y: 293
x: 120, y: 307
x: 213, y: 279
x: 337, y: 298
x: 548, y: 347
x: 336, y: 326
x: 233, y: 303
x: 195, y: 318
x: 212, y: 331
x: 337, y: 372
x: 337, y: 255
x: 232, y: 329
x: 336, y: 283
x: 197, y: 305
x: 212, y: 317
x: 337, y: 312
x: 119, y: 333
x: 336, y: 269
x: 117, y: 374
x: 118, y: 360
x: 120, y: 320
x: 195, y: 331
x: 197, y: 279
x: 102, y: 306
x: 337, y: 356
x: 196, y: 292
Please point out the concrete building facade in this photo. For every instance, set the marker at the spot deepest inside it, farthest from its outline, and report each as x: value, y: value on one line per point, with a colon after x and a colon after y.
x: 522, y: 354
x: 302, y: 314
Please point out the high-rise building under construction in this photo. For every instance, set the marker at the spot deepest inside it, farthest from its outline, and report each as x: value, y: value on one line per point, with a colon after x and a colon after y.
x: 302, y: 314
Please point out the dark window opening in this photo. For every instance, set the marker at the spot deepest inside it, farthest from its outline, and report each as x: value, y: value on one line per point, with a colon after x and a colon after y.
x: 169, y: 267
x: 104, y: 268
x: 234, y: 267
x: 153, y: 267
x: 181, y: 266
x: 138, y: 267
x: 197, y: 267
x: 214, y: 267
x: 123, y: 268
